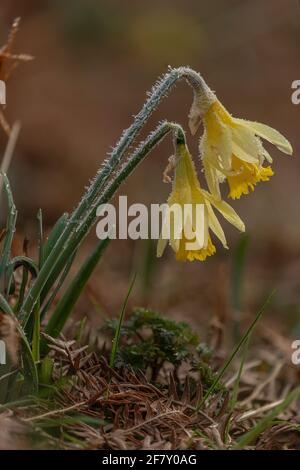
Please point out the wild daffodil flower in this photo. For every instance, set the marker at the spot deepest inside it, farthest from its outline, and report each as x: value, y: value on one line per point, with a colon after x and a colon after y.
x: 232, y: 149
x: 183, y: 228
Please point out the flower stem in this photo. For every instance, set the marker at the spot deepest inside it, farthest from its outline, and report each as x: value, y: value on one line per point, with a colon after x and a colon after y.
x: 127, y: 169
x: 159, y: 91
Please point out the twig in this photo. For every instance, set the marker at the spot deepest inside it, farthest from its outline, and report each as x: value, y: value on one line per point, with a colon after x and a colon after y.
x: 262, y: 385
x: 56, y: 412
x: 262, y: 409
x: 9, y: 151
x: 167, y: 413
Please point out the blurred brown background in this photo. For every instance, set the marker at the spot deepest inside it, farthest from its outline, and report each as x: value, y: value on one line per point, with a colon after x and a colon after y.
x: 94, y: 62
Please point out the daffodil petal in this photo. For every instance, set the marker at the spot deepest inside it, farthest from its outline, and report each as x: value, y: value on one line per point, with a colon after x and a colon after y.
x: 212, y: 180
x: 215, y: 225
x: 245, y: 145
x: 269, y: 134
x: 226, y: 210
x: 267, y: 156
x: 224, y: 144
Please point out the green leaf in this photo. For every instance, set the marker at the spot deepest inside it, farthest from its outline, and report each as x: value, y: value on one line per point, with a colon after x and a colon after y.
x: 36, y: 333
x: 267, y: 421
x: 26, y: 262
x: 29, y: 367
x: 40, y: 238
x: 116, y: 340
x: 55, y: 234
x: 237, y: 281
x: 10, y: 230
x: 236, y: 350
x: 58, y: 286
x: 66, y: 304
x: 46, y: 370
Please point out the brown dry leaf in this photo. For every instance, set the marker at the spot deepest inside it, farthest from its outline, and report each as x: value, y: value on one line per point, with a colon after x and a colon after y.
x: 135, y: 413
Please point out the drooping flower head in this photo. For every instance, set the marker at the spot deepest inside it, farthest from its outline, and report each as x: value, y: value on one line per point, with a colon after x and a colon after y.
x: 189, y: 239
x: 232, y: 149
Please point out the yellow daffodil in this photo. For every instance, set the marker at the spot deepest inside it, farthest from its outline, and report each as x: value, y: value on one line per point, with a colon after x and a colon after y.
x: 184, y: 230
x: 232, y: 149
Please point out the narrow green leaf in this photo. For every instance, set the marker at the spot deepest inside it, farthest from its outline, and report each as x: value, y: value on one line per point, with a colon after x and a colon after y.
x: 29, y: 367
x: 72, y: 293
x: 53, y: 237
x: 27, y: 263
x: 29, y: 266
x: 46, y: 370
x: 40, y: 237
x: 55, y: 234
x: 238, y: 267
x: 116, y: 340
x: 267, y: 421
x: 36, y: 333
x: 8, y: 238
x: 236, y: 350
x: 237, y: 281
x: 58, y: 286
x: 22, y: 291
x: 233, y: 400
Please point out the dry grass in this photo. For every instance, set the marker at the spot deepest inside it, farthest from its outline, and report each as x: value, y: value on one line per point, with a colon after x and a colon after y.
x: 95, y: 407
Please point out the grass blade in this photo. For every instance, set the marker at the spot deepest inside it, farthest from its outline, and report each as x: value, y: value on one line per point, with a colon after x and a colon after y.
x: 233, y: 400
x: 36, y: 333
x: 58, y: 286
x: 55, y: 234
x: 238, y: 269
x: 48, y: 247
x: 30, y: 370
x: 116, y: 340
x: 40, y: 237
x: 267, y: 421
x: 10, y: 230
x: 236, y: 350
x: 70, y: 297
x: 9, y: 151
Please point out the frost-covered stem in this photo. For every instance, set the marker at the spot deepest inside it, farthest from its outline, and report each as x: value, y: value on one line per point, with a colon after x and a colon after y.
x: 160, y: 90
x: 144, y: 149
x: 127, y: 169
x: 129, y: 166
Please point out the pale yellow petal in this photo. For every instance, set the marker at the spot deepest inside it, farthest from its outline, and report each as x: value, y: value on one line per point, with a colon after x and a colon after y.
x: 245, y: 145
x: 226, y: 210
x: 211, y: 179
x: 215, y: 225
x: 267, y: 156
x: 224, y: 144
x: 269, y: 134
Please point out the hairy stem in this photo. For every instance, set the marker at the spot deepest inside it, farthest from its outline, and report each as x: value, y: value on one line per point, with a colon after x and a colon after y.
x: 127, y: 169
x: 158, y: 93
